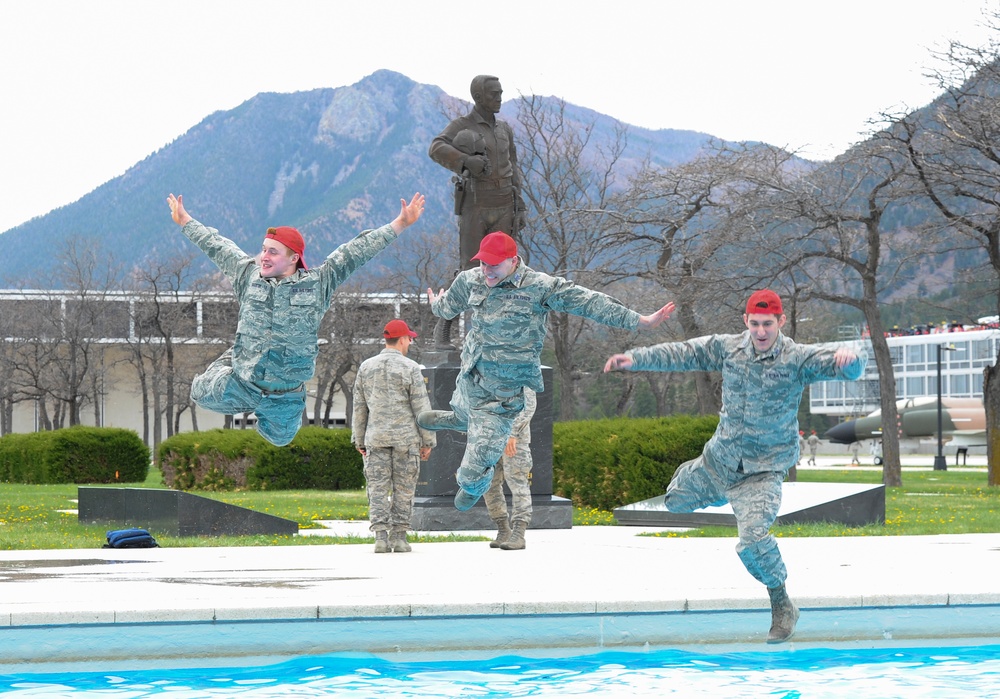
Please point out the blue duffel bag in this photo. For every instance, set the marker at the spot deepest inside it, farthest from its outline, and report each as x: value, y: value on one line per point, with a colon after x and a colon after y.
x: 130, y: 539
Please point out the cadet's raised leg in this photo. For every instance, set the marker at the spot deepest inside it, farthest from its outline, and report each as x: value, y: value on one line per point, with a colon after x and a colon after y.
x: 488, y: 435
x: 279, y: 415
x: 217, y: 389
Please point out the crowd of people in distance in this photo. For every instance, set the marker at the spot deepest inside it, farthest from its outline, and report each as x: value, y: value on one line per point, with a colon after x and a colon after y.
x: 934, y: 329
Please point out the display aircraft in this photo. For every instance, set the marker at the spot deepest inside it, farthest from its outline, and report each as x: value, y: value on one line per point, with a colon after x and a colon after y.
x: 963, y: 422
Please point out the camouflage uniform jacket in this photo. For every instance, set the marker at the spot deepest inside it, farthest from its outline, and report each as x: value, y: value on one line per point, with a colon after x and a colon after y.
x: 509, y: 320
x: 758, y: 425
x: 276, y: 338
x: 389, y: 393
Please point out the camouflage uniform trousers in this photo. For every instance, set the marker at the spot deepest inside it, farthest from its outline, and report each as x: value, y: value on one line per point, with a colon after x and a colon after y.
x: 279, y: 414
x: 755, y: 499
x: 391, y: 474
x: 486, y: 413
x: 515, y: 471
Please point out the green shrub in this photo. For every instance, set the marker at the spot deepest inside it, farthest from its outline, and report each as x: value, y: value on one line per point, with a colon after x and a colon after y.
x: 74, y: 455
x: 213, y: 460
x: 317, y: 458
x: 219, y: 459
x: 24, y: 457
x: 605, y: 464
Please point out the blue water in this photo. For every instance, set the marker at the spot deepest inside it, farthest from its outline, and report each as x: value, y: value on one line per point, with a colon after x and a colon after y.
x: 953, y: 672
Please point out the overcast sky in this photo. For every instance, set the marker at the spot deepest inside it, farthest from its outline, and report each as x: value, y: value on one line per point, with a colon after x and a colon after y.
x: 91, y: 87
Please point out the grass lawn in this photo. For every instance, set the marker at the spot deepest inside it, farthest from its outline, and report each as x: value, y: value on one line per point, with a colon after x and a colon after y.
x: 44, y: 517
x: 956, y: 501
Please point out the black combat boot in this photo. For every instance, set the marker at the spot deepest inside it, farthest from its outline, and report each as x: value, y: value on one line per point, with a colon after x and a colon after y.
x: 398, y: 543
x: 435, y: 420
x: 516, y: 540
x: 503, y: 533
x: 784, y: 614
x: 442, y: 334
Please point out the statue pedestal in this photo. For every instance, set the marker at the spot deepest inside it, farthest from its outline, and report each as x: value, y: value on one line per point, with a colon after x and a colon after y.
x: 434, y: 507
x: 438, y: 513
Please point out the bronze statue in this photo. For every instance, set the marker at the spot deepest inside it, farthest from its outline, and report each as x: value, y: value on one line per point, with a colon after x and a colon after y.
x: 479, y: 149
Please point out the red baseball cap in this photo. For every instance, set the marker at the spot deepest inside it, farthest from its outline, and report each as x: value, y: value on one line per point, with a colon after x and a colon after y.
x: 291, y: 239
x: 397, y: 328
x: 495, y: 248
x: 764, y: 301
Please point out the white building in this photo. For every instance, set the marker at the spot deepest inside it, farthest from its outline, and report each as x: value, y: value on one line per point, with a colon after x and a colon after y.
x: 113, y: 327
x: 915, y: 367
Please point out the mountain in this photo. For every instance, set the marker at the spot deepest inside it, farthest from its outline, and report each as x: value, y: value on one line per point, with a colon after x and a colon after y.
x: 330, y: 161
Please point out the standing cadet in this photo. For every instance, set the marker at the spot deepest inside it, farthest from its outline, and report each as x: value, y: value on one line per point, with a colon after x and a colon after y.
x: 501, y: 355
x: 389, y: 393
x: 281, y: 305
x: 813, y: 443
x: 745, y: 461
x: 855, y: 449
x: 515, y: 470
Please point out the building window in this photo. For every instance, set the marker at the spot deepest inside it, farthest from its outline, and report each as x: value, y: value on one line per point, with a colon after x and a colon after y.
x: 219, y: 319
x: 982, y: 353
x: 959, y: 385
x: 915, y: 386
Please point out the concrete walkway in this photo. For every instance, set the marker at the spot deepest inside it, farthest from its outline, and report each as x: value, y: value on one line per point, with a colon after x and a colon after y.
x: 589, y: 588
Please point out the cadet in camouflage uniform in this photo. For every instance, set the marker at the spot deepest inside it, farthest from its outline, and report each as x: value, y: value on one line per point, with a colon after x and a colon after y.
x: 501, y: 354
x: 281, y: 305
x: 813, y: 443
x: 514, y: 469
x: 756, y: 442
x: 389, y: 392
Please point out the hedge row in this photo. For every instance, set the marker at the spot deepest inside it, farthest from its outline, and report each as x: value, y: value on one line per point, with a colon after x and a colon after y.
x: 317, y: 458
x: 605, y: 464
x: 74, y: 455
x: 599, y: 464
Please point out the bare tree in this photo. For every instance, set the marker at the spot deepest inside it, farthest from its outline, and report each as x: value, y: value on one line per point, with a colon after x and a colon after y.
x: 952, y: 147
x: 59, y: 360
x: 569, y: 174
x: 689, y: 222
x: 839, y: 242
x: 351, y: 332
x: 162, y: 314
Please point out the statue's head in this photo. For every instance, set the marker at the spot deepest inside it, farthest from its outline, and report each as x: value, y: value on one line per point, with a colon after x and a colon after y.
x: 486, y: 92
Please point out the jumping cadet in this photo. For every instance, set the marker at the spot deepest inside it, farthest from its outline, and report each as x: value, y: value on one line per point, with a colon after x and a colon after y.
x: 744, y: 463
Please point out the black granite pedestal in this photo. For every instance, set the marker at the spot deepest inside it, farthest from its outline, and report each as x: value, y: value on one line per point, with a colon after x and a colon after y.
x: 434, y: 504
x: 844, y: 503
x: 174, y: 512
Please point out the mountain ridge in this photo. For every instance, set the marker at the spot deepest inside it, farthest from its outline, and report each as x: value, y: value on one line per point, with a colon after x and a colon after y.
x: 330, y: 161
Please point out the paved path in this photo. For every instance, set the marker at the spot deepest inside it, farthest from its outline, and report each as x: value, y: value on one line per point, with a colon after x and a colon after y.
x: 587, y: 587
